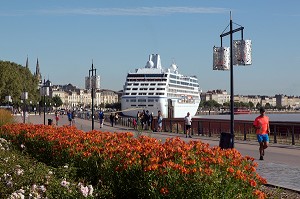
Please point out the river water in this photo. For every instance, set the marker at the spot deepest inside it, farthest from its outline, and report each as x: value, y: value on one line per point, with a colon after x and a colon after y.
x: 282, y: 117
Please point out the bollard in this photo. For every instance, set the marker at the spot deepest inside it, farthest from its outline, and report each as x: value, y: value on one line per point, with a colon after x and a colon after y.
x: 226, y: 140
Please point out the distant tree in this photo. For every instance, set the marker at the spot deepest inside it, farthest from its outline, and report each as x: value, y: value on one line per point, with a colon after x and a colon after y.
x: 251, y: 105
x: 46, y: 102
x: 226, y: 104
x: 210, y: 104
x: 116, y: 106
x: 268, y: 106
x: 279, y: 107
x: 102, y: 105
x: 258, y: 105
x: 57, y: 101
x: 15, y: 79
x: 244, y: 104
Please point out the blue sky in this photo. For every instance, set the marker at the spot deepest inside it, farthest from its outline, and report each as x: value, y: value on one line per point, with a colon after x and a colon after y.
x: 119, y: 35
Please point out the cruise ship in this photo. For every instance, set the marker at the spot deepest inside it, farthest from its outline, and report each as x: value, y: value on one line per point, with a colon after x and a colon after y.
x: 154, y: 88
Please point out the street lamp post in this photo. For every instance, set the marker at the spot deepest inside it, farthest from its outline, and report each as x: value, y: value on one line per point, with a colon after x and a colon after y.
x: 44, y: 92
x: 240, y: 56
x: 92, y: 80
x: 24, y: 97
x: 44, y: 109
x: 37, y: 107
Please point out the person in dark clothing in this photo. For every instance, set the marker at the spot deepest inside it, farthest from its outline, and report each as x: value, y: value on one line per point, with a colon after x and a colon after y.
x: 69, y: 114
x: 101, y: 118
x: 146, y: 120
x: 111, y: 118
x: 150, y: 121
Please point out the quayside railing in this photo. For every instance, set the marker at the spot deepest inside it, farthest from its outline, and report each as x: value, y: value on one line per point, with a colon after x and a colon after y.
x: 287, y: 133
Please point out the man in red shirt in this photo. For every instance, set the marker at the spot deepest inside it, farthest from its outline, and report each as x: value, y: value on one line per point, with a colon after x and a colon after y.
x: 261, y: 125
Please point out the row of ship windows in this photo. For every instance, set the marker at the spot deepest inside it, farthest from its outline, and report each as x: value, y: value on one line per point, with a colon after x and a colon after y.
x: 134, y: 89
x: 186, y: 79
x: 178, y: 92
x: 163, y: 84
x: 146, y: 80
x: 142, y: 100
x: 144, y: 93
x: 183, y: 83
x: 147, y: 75
x: 182, y: 87
x: 146, y: 84
x: 141, y: 105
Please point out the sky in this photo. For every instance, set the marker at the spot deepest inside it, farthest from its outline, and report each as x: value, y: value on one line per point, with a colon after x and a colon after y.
x: 118, y: 36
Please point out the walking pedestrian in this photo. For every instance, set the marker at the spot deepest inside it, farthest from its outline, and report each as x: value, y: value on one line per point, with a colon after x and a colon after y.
x: 188, y: 124
x: 262, y: 127
x: 69, y: 114
x: 150, y: 121
x: 146, y: 120
x: 116, y: 118
x: 159, y: 121
x: 134, y: 123
x: 56, y: 117
x: 111, y: 118
x: 101, y: 118
x: 73, y: 114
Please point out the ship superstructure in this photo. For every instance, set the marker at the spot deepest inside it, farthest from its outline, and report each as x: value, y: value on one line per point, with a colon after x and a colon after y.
x: 154, y: 89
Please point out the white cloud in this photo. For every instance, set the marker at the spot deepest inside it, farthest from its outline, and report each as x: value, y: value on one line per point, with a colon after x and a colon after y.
x: 139, y: 11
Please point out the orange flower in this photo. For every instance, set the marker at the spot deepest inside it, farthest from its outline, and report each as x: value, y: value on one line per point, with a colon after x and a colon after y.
x: 253, y: 183
x: 164, y: 191
x: 259, y: 194
x: 208, y: 171
x: 230, y: 170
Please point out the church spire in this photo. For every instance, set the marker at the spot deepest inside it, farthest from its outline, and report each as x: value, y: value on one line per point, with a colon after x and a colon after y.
x: 37, y: 71
x: 27, y: 65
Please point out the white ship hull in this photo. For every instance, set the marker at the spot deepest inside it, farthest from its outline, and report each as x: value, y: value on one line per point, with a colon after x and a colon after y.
x: 178, y: 110
x: 154, y: 89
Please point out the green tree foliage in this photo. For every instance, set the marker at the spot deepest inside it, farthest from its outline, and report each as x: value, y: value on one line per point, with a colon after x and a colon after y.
x: 57, y: 102
x: 116, y: 105
x: 258, y: 105
x: 46, y: 101
x: 210, y: 104
x: 268, y: 106
x: 251, y: 105
x: 15, y: 79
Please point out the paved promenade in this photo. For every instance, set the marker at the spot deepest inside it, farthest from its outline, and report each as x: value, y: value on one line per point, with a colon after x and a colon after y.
x: 281, y: 166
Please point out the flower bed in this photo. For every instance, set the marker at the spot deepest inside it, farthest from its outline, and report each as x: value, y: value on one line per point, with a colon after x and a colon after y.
x: 23, y: 177
x: 142, y: 167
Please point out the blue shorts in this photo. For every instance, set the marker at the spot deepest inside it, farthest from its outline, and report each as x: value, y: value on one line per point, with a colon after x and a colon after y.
x: 263, y: 138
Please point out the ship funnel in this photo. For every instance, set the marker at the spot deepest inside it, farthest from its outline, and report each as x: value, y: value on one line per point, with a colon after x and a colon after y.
x: 154, y: 61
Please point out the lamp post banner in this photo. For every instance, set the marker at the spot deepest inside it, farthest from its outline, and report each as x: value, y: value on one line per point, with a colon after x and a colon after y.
x: 24, y: 96
x: 44, y: 91
x: 242, y: 52
x: 221, y: 58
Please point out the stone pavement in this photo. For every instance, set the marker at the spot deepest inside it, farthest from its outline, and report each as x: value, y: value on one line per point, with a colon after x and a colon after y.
x: 281, y: 166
